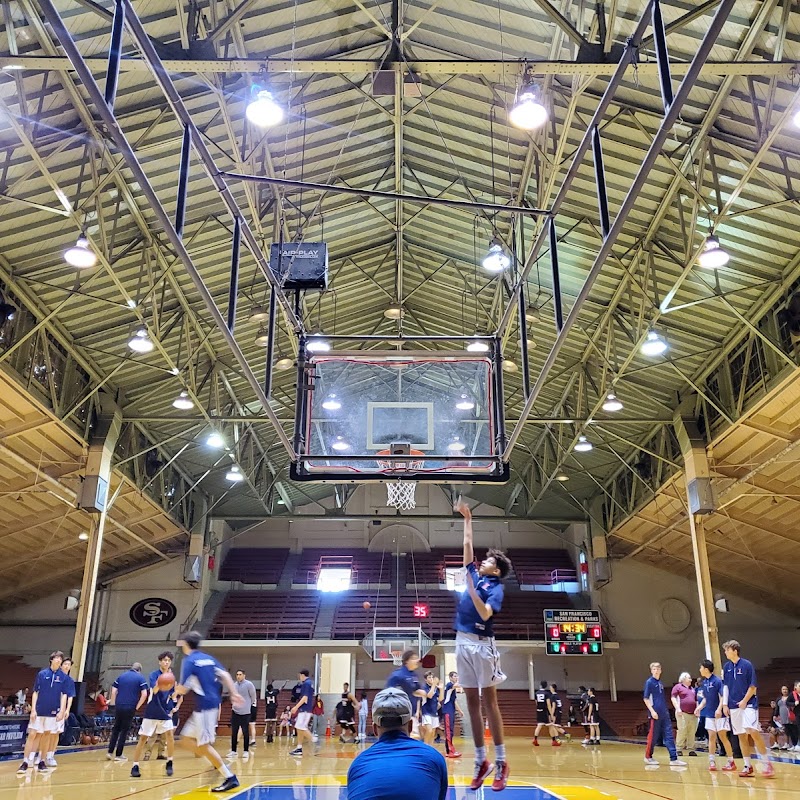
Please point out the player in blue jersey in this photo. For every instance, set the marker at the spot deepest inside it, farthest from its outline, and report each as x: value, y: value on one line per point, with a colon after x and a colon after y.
x: 717, y: 723
x: 476, y: 654
x: 660, y: 723
x: 202, y: 674
x: 449, y: 710
x: 66, y: 666
x: 158, y: 714
x: 48, y: 709
x: 740, y: 701
x: 430, y: 708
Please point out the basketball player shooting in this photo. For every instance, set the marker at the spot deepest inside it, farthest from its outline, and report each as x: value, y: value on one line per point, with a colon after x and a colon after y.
x: 477, y: 658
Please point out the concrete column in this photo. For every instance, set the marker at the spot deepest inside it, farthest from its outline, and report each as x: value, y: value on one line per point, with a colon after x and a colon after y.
x: 708, y: 613
x: 612, y: 677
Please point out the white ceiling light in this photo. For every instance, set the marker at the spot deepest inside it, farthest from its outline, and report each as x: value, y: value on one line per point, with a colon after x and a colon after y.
x: 456, y: 446
x: 532, y: 313
x: 653, y: 345
x: 262, y: 337
x: 528, y: 112
x: 258, y: 314
x: 562, y: 477
x: 340, y: 444
x: 140, y: 341
x: 583, y: 445
x: 80, y: 255
x: 130, y: 302
x: 394, y: 310
x: 496, y: 260
x: 714, y: 255
x: 234, y: 475
x: 530, y: 340
x: 612, y: 403
x: 280, y: 501
x: 331, y: 403
x: 183, y: 401
x: 83, y: 536
x: 283, y: 363
x: 478, y: 346
x: 262, y: 110
x: 317, y: 344
x: 509, y: 365
x: 215, y: 440
x: 465, y: 403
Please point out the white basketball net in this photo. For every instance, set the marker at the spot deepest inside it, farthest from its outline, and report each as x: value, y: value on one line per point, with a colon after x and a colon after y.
x: 401, y: 494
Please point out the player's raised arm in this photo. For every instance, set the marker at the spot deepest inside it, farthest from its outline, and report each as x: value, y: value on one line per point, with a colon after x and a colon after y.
x: 462, y: 508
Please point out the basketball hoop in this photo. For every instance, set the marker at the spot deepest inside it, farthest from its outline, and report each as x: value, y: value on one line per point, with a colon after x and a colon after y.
x: 400, y: 493
x: 397, y: 657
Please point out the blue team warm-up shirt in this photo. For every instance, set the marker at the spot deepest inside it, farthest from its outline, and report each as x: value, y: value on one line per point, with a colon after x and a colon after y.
x: 431, y: 705
x: 199, y: 673
x: 307, y: 691
x: 403, y: 678
x: 712, y: 692
x: 490, y: 590
x: 129, y: 688
x: 654, y: 689
x: 161, y: 705
x: 397, y: 765
x: 739, y: 677
x: 69, y: 688
x: 449, y: 700
x: 50, y: 686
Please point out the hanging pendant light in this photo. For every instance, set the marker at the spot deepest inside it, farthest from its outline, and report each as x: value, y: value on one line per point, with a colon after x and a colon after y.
x: 258, y: 314
x: 80, y: 255
x: 234, y: 475
x: 612, y: 403
x: 283, y: 363
x: 262, y: 110
x: 340, y: 444
x: 215, y: 440
x: 653, y: 345
x: 456, y: 445
x: 317, y: 343
x: 331, y: 403
x: 262, y: 337
x: 583, y: 445
x: 496, y: 260
x: 183, y: 402
x: 465, y: 403
x: 714, y: 255
x: 528, y: 113
x: 140, y: 341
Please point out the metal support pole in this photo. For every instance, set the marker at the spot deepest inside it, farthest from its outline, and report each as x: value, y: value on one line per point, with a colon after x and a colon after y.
x: 264, y: 670
x: 708, y: 613
x: 270, y: 343
x: 500, y: 426
x: 557, y: 306
x: 662, y: 56
x: 523, y: 344
x: 612, y: 677
x: 183, y: 181
x: 600, y: 180
x: 233, y: 288
x: 126, y: 151
x: 114, y: 53
x: 663, y: 132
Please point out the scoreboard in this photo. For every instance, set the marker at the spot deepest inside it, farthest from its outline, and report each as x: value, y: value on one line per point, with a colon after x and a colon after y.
x: 573, y: 633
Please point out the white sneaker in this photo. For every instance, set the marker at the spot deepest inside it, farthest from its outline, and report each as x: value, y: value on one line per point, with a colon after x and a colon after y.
x: 315, y: 738
x: 776, y: 746
x: 245, y: 756
x: 51, y: 762
x: 109, y: 756
x: 651, y: 762
x: 120, y: 760
x: 677, y: 763
x: 232, y: 754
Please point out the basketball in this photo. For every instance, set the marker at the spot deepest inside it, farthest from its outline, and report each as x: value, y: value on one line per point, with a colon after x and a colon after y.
x: 367, y: 605
x: 165, y: 681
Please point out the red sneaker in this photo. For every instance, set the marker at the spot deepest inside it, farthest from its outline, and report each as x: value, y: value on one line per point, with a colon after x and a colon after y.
x: 747, y: 772
x: 454, y: 754
x: 556, y: 743
x: 500, y: 776
x: 535, y: 742
x: 481, y: 771
x: 730, y: 767
x: 768, y: 771
x: 712, y: 767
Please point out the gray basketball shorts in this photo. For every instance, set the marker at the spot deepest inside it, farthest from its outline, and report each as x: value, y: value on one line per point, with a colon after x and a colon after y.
x: 477, y: 661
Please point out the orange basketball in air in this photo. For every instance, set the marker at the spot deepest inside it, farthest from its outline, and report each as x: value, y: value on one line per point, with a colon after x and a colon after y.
x: 166, y: 680
x: 367, y: 605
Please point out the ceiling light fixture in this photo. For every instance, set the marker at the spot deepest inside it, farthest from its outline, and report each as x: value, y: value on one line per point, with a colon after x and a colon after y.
x: 183, y: 401
x: 7, y: 311
x: 215, y: 440
x: 83, y: 536
x: 130, y: 302
x: 496, y: 260
x: 283, y: 363
x: 477, y: 346
x: 317, y: 344
x: 234, y: 475
x: 583, y: 445
x: 562, y: 477
x: 528, y: 113
x: 509, y: 365
x: 465, y: 403
x: 262, y: 337
x: 80, y: 255
x: 456, y: 446
x: 340, y: 444
x: 714, y: 255
x: 532, y: 313
x: 612, y: 403
x: 258, y: 314
x: 394, y: 310
x: 653, y: 345
x: 331, y: 403
x: 262, y: 110
x: 140, y: 341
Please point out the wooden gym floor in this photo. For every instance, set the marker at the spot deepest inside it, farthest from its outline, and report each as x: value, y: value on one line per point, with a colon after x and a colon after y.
x: 568, y: 773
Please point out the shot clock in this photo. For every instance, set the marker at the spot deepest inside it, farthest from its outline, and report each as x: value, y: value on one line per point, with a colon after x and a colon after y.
x: 573, y: 633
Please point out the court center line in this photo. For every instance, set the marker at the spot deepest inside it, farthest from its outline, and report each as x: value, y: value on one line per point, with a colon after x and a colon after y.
x: 626, y: 785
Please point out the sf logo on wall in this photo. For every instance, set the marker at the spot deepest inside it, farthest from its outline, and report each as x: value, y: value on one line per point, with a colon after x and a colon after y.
x: 153, y: 612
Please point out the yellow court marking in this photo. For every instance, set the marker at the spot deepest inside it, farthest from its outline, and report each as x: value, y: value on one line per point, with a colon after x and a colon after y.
x: 578, y: 793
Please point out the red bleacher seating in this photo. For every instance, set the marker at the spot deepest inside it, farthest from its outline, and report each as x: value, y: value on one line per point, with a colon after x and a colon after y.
x: 266, y: 615
x: 426, y: 569
x: 257, y: 565
x: 368, y: 568
x: 536, y: 567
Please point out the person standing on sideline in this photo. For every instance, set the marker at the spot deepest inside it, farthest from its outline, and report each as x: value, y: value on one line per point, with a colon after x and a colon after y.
x: 430, y: 708
x: 241, y: 714
x: 593, y: 715
x: 787, y: 713
x: 302, y: 709
x: 710, y: 711
x: 545, y: 712
x: 449, y: 710
x: 684, y: 700
x: 363, y: 711
x: 739, y: 700
x: 660, y: 723
x: 202, y: 674
x: 271, y: 713
x: 157, y: 717
x: 52, y: 738
x: 796, y: 699
x: 317, y: 715
x: 396, y: 767
x: 476, y: 654
x: 558, y: 707
x: 48, y: 708
x: 128, y: 694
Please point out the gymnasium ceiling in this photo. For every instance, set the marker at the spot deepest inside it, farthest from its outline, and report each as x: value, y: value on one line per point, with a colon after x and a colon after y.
x: 731, y: 162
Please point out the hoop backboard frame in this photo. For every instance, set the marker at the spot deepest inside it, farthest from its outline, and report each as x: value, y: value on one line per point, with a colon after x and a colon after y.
x: 480, y: 463
x: 381, y: 641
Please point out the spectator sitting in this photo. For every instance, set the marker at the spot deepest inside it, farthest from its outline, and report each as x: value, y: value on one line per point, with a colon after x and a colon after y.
x: 396, y: 767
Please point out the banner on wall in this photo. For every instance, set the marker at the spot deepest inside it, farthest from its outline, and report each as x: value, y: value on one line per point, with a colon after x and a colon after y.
x: 12, y: 734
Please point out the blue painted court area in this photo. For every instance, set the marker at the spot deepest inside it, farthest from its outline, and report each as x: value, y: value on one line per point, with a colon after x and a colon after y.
x: 303, y: 792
